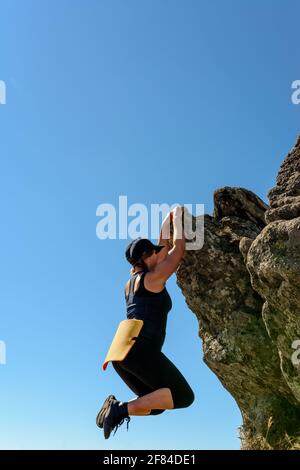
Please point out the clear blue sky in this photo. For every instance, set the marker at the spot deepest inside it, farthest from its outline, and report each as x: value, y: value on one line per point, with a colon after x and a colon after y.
x: 162, y: 101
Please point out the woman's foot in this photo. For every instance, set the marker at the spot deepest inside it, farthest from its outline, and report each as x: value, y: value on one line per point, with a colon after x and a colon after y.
x: 115, y: 416
x: 100, y: 416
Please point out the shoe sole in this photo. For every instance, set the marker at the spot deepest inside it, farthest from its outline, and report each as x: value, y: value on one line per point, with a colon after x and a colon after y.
x: 107, y: 429
x: 101, y: 415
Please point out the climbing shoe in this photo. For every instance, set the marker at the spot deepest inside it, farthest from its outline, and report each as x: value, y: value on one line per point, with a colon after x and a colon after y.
x: 100, y: 416
x: 115, y: 416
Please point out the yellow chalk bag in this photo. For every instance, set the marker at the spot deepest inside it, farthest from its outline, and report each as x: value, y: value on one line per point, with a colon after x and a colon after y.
x: 124, y: 339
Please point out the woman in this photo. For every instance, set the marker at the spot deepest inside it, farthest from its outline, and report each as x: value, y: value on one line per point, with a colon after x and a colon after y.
x: 155, y: 380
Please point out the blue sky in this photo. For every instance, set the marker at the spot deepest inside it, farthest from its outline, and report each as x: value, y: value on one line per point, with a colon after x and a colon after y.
x: 163, y: 101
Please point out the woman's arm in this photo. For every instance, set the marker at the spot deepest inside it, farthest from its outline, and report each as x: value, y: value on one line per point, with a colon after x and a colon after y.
x: 168, y: 266
x: 165, y: 233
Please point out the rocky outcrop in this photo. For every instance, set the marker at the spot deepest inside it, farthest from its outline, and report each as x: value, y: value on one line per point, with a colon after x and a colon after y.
x: 244, y: 287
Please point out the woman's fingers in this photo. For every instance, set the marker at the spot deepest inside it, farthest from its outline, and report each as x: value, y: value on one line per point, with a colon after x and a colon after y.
x: 177, y: 210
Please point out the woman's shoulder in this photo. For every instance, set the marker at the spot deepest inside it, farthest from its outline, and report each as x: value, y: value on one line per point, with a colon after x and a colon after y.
x: 150, y: 285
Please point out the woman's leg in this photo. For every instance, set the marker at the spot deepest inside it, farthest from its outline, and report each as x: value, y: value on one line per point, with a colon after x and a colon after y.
x: 140, y: 389
x: 183, y: 395
x: 159, y: 399
x: 155, y: 370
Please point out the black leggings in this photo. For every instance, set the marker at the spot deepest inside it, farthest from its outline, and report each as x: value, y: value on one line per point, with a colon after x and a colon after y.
x: 146, y: 369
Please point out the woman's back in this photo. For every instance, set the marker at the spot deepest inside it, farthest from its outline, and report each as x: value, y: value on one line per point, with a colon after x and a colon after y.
x: 151, y: 307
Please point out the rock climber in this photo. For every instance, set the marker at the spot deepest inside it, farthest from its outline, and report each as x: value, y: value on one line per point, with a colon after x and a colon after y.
x: 153, y: 378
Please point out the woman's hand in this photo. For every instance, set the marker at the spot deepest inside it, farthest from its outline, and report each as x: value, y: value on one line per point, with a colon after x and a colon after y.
x: 176, y: 212
x: 170, y: 218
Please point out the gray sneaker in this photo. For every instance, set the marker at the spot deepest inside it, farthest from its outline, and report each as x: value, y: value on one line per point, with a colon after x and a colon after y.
x: 100, y: 416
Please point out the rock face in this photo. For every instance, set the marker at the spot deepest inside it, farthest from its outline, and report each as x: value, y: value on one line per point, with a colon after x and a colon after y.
x: 244, y: 287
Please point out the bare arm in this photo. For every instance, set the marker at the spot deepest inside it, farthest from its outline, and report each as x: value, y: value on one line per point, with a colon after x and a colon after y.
x: 164, y: 236
x: 168, y: 266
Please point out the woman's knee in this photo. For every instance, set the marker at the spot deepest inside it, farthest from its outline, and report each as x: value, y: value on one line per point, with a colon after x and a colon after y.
x: 190, y: 397
x: 183, y: 399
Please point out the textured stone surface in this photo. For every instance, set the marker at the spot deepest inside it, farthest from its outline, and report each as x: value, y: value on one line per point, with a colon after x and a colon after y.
x: 244, y: 288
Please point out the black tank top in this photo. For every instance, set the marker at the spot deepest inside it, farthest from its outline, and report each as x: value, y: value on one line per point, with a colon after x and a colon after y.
x: 151, y: 307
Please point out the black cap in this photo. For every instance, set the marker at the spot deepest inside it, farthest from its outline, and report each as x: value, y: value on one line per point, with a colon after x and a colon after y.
x: 138, y: 247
